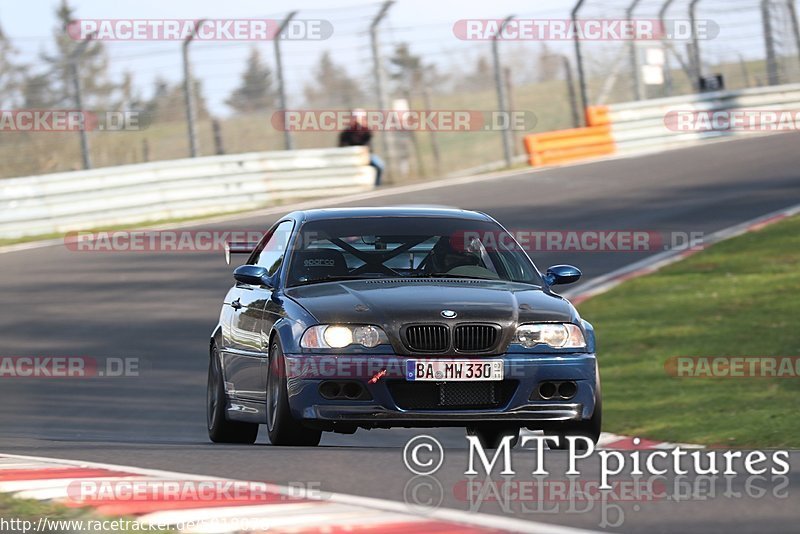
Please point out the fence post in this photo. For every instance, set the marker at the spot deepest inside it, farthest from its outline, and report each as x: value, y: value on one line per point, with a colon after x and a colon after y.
x: 773, y: 78
x: 697, y: 65
x: 795, y: 26
x: 502, y: 98
x: 380, y: 81
x: 509, y: 84
x: 219, y: 147
x: 73, y: 60
x: 188, y: 90
x: 287, y: 134
x: 662, y: 14
x: 579, y: 60
x: 635, y: 78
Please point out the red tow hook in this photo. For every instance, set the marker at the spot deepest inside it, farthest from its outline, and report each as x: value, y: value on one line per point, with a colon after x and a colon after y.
x: 378, y: 376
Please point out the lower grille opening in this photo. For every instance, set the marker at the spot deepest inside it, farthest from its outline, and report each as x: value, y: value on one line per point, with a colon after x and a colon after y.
x: 451, y: 395
x: 551, y: 390
x: 334, y: 390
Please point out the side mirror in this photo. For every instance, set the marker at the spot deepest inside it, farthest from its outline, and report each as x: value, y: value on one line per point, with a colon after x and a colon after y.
x: 559, y: 275
x: 252, y: 275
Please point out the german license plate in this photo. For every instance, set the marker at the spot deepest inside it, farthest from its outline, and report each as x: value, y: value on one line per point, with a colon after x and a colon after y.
x: 454, y: 370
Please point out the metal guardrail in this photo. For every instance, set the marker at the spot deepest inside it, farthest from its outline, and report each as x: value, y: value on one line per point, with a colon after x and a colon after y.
x: 135, y: 194
x: 641, y: 126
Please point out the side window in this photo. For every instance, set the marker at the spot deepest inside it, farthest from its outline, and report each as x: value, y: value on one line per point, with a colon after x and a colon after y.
x: 271, y: 255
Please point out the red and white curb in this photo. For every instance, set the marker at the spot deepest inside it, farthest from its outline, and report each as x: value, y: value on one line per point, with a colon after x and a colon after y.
x: 280, y: 509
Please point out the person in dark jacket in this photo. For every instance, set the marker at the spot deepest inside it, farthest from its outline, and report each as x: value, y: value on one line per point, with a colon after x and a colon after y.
x: 357, y: 134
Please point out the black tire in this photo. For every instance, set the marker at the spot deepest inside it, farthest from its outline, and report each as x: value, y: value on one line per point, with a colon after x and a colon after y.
x: 491, y: 435
x: 589, y: 428
x: 283, y: 429
x: 220, y: 429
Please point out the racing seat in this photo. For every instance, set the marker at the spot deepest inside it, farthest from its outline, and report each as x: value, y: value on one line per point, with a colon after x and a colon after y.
x: 444, y: 257
x: 318, y: 264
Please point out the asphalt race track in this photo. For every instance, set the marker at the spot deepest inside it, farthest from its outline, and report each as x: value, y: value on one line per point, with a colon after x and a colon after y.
x: 161, y: 308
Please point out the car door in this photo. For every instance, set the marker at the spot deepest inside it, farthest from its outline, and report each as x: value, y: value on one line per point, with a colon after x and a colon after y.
x: 250, y: 321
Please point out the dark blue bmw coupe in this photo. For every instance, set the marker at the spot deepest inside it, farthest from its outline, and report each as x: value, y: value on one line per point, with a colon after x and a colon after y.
x: 398, y: 317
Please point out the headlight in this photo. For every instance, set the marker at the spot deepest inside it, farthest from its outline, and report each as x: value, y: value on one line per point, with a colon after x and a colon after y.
x: 340, y: 336
x: 369, y: 336
x: 555, y: 335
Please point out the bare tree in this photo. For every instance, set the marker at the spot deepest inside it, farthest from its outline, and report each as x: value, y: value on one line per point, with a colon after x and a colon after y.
x: 333, y: 87
x: 255, y: 93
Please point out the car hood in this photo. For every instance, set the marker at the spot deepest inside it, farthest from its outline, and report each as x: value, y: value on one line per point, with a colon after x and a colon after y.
x: 391, y: 303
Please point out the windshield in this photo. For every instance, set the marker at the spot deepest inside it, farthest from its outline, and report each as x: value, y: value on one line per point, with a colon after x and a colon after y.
x: 406, y: 247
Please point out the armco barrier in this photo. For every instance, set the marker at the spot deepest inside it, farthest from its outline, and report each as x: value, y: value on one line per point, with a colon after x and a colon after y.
x: 642, y: 126
x: 134, y: 194
x: 563, y: 146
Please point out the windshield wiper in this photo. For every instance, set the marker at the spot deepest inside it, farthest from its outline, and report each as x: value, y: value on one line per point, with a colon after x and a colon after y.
x: 341, y: 278
x: 445, y: 275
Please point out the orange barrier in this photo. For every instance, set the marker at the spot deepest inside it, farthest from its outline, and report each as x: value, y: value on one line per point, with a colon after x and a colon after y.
x: 563, y: 146
x: 598, y: 116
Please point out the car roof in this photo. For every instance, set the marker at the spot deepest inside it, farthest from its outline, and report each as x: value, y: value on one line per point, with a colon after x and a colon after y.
x: 398, y: 211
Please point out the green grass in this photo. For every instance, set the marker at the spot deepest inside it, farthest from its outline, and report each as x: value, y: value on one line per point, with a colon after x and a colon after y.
x: 20, y: 510
x: 738, y: 298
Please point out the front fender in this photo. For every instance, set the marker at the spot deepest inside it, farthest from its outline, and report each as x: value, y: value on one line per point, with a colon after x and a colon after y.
x: 289, y: 334
x: 291, y: 326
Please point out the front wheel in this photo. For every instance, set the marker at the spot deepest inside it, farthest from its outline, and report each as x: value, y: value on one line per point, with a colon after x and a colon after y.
x: 284, y: 429
x: 220, y: 430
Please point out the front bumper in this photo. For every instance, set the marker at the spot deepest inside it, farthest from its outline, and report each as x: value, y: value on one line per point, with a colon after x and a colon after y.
x: 306, y: 372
